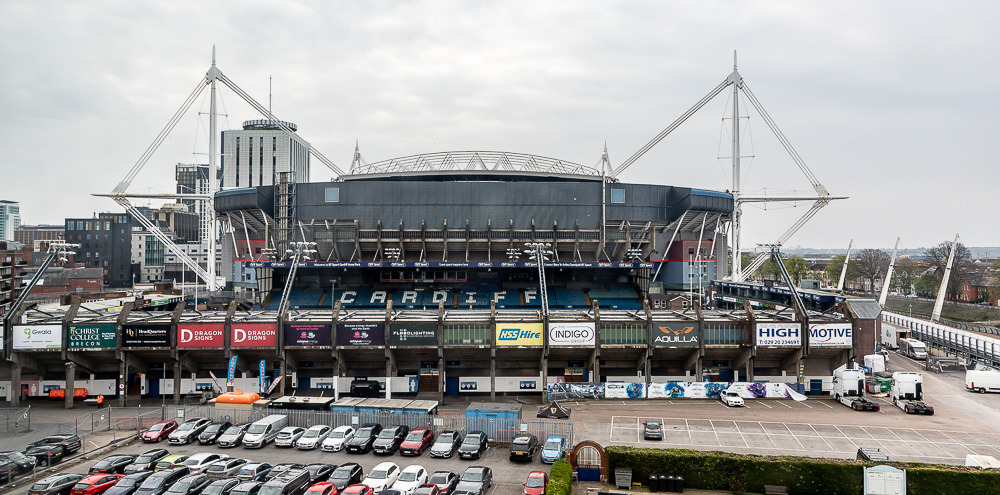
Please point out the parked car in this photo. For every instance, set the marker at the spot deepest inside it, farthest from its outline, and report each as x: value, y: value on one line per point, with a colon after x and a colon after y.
x: 475, y: 480
x: 71, y: 443
x: 445, y: 481
x: 291, y: 482
x: 8, y: 470
x: 95, y: 484
x: 446, y: 444
x: 358, y: 490
x: 382, y: 476
x: 731, y: 399
x: 288, y: 436
x: 225, y: 468
x: 22, y: 463
x: 129, y: 483
x: 313, y: 437
x: 363, y: 439
x: 337, y: 438
x: 320, y: 472
x: 523, y: 447
x: 416, y: 441
x: 171, y: 461
x: 220, y: 487
x: 410, y: 478
x: 188, y: 431
x: 389, y: 439
x: 160, y: 481
x: 553, y: 449
x: 536, y: 483
x: 254, y: 471
x: 346, y: 475
x: 212, y: 433
x: 427, y: 489
x: 46, y: 455
x: 146, y: 461
x: 247, y: 488
x: 322, y: 488
x: 112, y: 464
x: 57, y: 484
x: 473, y: 446
x: 201, y: 460
x: 279, y: 469
x: 191, y: 484
x: 233, y: 436
x: 651, y: 430
x: 159, y: 431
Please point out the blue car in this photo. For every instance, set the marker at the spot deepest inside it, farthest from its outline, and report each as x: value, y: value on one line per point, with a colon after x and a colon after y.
x: 553, y: 449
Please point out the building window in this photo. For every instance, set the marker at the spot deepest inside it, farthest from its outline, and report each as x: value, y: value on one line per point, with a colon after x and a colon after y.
x: 617, y: 196
x: 333, y: 195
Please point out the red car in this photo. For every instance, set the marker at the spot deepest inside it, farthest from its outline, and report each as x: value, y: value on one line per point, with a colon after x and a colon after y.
x: 535, y: 484
x: 159, y: 431
x: 418, y: 439
x: 95, y: 484
x: 322, y: 488
x: 357, y: 490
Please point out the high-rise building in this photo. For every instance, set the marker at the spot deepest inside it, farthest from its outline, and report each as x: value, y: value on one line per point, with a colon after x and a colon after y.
x: 105, y: 242
x: 10, y: 219
x: 12, y: 272
x: 192, y: 178
x: 37, y: 235
x: 253, y: 156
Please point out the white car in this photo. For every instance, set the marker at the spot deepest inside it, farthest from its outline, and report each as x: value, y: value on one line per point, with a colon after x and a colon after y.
x: 337, y: 438
x: 288, y: 436
x: 731, y: 399
x: 382, y: 476
x: 313, y: 437
x: 410, y: 478
x: 201, y: 460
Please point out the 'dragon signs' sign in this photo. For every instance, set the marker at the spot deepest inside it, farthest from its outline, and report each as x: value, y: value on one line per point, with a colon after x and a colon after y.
x: 360, y: 334
x: 307, y: 334
x: 200, y: 335
x: 675, y: 333
x: 254, y: 335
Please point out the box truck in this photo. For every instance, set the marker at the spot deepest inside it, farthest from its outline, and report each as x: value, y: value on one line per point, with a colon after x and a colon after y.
x: 982, y: 381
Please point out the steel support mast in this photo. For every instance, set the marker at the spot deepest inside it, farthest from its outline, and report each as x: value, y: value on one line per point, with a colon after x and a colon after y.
x: 888, y: 276
x: 939, y: 302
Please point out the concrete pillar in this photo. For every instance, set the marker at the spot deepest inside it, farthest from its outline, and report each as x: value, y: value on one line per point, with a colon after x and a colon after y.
x: 545, y: 379
x: 70, y: 383
x: 122, y: 379
x: 441, y: 382
x: 177, y: 382
x: 493, y: 373
x: 15, y: 382
x: 284, y: 371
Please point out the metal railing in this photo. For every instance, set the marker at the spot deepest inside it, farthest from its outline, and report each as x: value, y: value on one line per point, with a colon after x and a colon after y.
x: 15, y: 419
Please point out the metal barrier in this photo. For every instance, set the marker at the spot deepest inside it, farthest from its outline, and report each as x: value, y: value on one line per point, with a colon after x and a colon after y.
x: 971, y: 346
x: 15, y: 419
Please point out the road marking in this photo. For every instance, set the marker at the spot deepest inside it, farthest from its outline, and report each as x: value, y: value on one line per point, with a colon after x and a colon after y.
x: 820, y: 437
x: 782, y: 403
x: 825, y: 404
x: 764, y: 404
x: 688, y: 427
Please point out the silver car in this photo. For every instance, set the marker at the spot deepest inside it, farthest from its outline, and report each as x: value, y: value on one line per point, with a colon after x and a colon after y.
x: 288, y: 436
x: 337, y: 438
x: 313, y: 437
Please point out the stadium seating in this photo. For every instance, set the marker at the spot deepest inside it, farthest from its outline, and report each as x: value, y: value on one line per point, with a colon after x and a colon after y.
x: 616, y: 297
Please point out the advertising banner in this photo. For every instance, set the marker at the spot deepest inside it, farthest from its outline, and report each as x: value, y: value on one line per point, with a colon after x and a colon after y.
x: 413, y: 334
x: 261, y: 376
x: 308, y: 334
x: 779, y: 334
x: 765, y: 391
x: 146, y: 336
x: 685, y: 390
x: 37, y: 337
x: 254, y: 335
x: 360, y: 334
x: 572, y: 334
x: 562, y: 391
x: 231, y: 372
x: 101, y: 336
x: 675, y: 334
x: 518, y: 334
x: 622, y: 390
x: 831, y: 335
x: 200, y: 335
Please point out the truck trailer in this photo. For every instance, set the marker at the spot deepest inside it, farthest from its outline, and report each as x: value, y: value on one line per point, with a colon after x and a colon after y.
x: 849, y: 389
x: 907, y: 393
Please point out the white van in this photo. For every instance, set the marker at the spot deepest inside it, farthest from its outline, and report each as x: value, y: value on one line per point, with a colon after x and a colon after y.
x: 263, y: 431
x: 982, y: 381
x: 912, y: 348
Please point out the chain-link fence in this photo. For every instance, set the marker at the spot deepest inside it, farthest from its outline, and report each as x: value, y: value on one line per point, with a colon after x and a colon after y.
x: 15, y: 419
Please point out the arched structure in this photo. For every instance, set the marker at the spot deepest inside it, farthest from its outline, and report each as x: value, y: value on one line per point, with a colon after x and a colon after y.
x: 574, y: 459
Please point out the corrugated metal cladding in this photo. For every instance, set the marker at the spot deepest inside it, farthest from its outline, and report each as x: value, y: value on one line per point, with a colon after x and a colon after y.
x: 250, y: 198
x: 433, y: 201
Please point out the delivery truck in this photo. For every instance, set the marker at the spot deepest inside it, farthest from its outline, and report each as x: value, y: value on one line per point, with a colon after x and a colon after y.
x: 982, y: 381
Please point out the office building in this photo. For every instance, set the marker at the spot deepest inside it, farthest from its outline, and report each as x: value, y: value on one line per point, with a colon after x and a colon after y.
x: 39, y: 236
x: 10, y: 219
x: 12, y: 272
x: 253, y: 156
x: 105, y: 242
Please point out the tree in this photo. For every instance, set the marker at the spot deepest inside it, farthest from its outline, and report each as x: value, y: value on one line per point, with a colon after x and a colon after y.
x: 927, y: 285
x: 872, y: 264
x: 961, y: 269
x: 836, y: 266
x: 904, y: 275
x: 797, y: 267
x: 995, y: 282
x: 770, y: 270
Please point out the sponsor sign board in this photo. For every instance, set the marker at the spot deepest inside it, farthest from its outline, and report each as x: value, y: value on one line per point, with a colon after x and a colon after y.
x: 200, y: 335
x: 831, y: 335
x: 413, y: 334
x: 254, y: 335
x: 92, y: 336
x: 572, y: 334
x: 145, y: 336
x: 622, y: 390
x: 518, y: 334
x: 37, y: 337
x: 685, y: 390
x: 674, y: 333
x: 446, y: 264
x: 308, y: 334
x: 360, y: 334
x: 779, y: 334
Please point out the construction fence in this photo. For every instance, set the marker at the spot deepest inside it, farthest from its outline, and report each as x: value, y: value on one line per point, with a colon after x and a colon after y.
x: 15, y: 419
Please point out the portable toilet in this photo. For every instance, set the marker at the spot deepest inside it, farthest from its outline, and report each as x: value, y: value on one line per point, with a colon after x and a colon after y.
x: 500, y: 420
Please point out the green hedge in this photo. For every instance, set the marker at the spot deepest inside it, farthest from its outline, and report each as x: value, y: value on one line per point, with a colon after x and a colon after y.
x: 802, y: 475
x: 560, y: 478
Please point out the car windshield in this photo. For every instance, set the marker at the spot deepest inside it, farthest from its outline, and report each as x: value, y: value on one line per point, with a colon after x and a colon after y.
x: 447, y: 437
x: 186, y: 427
x: 387, y: 434
x: 154, y: 482
x: 552, y: 445
x: 144, y: 459
x: 213, y: 428
x: 256, y: 429
x: 471, y: 440
x: 269, y: 490
x: 213, y: 489
x: 233, y: 430
x: 415, y: 436
x: 653, y: 426
x: 310, y: 433
x: 535, y: 483
x: 41, y: 485
x: 438, y: 478
x: 472, y: 476
x: 246, y: 472
x: 407, y: 476
x: 284, y: 434
x: 103, y: 464
x: 81, y: 486
x: 378, y: 474
x: 156, y: 427
x: 127, y: 482
x: 180, y: 487
x: 342, y: 473
x: 215, y: 468
x: 363, y: 433
x: 337, y: 434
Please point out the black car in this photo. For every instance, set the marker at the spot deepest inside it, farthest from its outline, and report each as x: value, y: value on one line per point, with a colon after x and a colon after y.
x: 112, y: 464
x: 446, y: 444
x: 364, y: 438
x: 347, y: 474
x: 8, y: 470
x: 389, y: 491
x: 474, y: 445
x: 71, y: 443
x: 160, y: 481
x: 146, y: 461
x: 246, y: 488
x: 24, y: 463
x: 320, y: 472
x: 57, y: 484
x: 213, y: 432
x: 388, y: 440
x: 191, y: 484
x: 475, y: 481
x: 129, y: 484
x: 523, y: 447
x: 46, y: 454
x: 445, y: 481
x: 220, y: 487
x: 280, y: 469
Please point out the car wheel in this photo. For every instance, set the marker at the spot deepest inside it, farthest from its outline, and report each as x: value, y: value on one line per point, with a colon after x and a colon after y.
x: 982, y: 390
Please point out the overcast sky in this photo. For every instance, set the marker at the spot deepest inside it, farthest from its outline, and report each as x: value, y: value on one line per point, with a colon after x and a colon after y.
x: 890, y: 103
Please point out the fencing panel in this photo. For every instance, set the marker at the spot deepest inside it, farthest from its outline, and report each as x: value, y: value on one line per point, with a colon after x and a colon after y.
x: 15, y: 419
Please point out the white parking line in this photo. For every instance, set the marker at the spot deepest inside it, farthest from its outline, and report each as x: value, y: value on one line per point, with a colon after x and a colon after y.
x: 825, y: 404
x: 764, y: 404
x: 782, y: 403
x: 820, y: 437
x: 688, y: 428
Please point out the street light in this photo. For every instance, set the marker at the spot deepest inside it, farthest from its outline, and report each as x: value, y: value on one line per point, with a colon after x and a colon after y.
x: 538, y: 252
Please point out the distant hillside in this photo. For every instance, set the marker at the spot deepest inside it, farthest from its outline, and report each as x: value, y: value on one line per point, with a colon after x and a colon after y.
x: 977, y: 252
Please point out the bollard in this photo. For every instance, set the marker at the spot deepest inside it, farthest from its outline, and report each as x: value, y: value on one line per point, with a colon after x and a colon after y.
x: 653, y: 483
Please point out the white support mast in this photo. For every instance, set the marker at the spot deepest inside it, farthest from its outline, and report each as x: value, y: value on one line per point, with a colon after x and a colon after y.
x: 736, y: 80
x: 843, y: 271
x: 939, y: 302
x: 213, y: 151
x: 888, y: 276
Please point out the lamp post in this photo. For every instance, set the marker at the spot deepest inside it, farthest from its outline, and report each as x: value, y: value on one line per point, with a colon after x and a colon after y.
x: 538, y: 251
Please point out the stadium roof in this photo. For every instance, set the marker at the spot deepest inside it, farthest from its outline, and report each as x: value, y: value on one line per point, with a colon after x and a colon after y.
x: 478, y: 162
